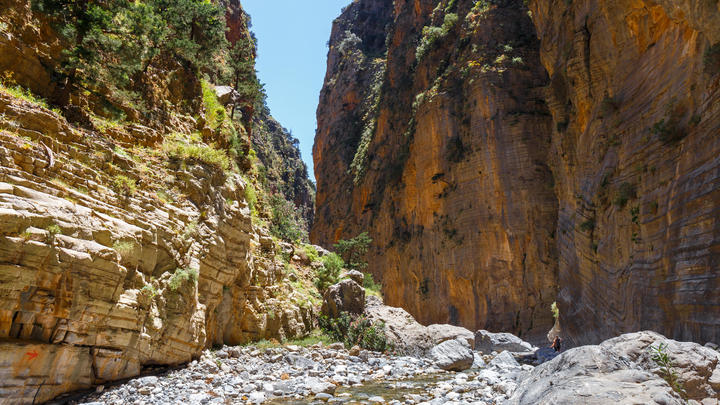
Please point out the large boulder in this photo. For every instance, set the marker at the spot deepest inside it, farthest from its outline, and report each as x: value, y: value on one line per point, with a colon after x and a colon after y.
x: 406, y: 334
x: 442, y: 332
x: 453, y: 355
x: 401, y: 329
x: 488, y: 342
x: 345, y: 296
x: 622, y: 371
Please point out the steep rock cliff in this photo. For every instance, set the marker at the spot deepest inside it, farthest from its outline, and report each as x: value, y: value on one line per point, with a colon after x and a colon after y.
x: 494, y: 172
x: 283, y: 170
x: 127, y: 244
x: 440, y: 153
x: 636, y: 135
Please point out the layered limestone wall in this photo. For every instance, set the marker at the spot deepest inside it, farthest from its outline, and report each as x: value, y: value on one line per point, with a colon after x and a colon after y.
x: 98, y: 277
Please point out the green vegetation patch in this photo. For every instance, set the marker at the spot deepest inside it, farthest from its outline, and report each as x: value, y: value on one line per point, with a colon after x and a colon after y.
x: 431, y: 35
x: 353, y: 251
x: 329, y: 273
x: 215, y: 113
x: 372, y: 287
x: 357, y: 330
x: 625, y: 193
x: 181, y: 276
x: 176, y: 147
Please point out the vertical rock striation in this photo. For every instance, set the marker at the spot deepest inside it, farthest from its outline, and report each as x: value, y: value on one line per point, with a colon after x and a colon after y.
x: 635, y: 99
x: 495, y: 171
x: 442, y: 155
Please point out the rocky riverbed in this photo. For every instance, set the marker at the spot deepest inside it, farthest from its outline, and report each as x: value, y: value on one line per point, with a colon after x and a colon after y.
x: 622, y: 370
x: 295, y: 375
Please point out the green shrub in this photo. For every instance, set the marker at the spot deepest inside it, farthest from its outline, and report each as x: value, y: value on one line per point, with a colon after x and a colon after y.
x: 250, y: 196
x: 555, y: 310
x: 24, y: 94
x: 356, y: 330
x: 311, y: 253
x: 124, y: 247
x: 371, y: 286
x: 353, y: 251
x: 625, y: 193
x: 431, y: 35
x: 149, y: 290
x: 175, y: 149
x: 286, y: 222
x: 668, y: 131
x: 124, y: 186
x: 635, y: 215
x: 215, y: 113
x: 53, y: 230
x: 662, y: 359
x: 181, y: 276
x: 329, y: 273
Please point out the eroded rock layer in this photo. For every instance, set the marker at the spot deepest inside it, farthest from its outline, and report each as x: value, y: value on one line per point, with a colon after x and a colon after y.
x: 441, y: 154
x: 635, y: 97
x: 97, y: 282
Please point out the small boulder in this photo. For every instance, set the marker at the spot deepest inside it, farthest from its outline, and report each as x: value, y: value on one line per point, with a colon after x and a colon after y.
x: 345, y: 296
x: 488, y: 342
x: 227, y: 95
x: 453, y: 355
x: 355, y: 276
x: 317, y: 386
x: 504, y: 360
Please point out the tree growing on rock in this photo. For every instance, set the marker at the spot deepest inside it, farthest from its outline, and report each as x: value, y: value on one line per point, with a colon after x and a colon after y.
x: 353, y: 251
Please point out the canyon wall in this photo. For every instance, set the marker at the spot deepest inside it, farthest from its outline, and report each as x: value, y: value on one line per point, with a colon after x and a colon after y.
x: 127, y: 244
x: 503, y: 157
x: 442, y: 160
x: 636, y: 136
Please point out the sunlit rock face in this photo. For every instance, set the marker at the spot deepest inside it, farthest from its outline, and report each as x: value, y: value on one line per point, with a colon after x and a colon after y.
x: 443, y: 160
x: 566, y: 152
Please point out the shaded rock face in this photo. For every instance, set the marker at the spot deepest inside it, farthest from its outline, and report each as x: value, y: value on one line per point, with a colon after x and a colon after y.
x: 635, y: 157
x: 621, y: 370
x: 96, y: 282
x: 442, y: 160
x: 281, y: 164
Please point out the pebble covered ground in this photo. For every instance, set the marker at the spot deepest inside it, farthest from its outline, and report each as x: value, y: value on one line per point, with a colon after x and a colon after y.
x: 317, y: 374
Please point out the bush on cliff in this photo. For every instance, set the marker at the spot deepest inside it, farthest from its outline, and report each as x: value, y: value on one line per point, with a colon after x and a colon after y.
x: 181, y: 276
x: 431, y: 35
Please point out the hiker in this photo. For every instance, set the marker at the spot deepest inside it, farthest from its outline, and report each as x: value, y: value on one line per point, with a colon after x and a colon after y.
x: 556, y: 343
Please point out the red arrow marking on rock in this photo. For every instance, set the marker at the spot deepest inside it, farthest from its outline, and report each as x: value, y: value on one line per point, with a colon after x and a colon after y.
x: 32, y: 354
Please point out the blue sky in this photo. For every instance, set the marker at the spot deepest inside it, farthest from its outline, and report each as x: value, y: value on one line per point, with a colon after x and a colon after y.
x: 292, y: 58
